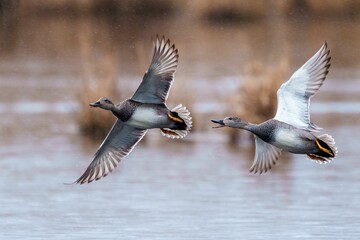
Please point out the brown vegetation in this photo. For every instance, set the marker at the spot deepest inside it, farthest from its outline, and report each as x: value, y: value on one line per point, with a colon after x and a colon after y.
x: 99, y: 73
x: 95, y: 122
x: 255, y: 100
x: 215, y: 11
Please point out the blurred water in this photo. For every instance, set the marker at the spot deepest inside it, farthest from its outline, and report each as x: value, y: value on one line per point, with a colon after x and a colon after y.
x: 197, y: 188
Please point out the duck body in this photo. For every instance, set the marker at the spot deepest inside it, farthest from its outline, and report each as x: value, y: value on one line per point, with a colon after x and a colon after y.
x: 287, y: 137
x: 147, y: 115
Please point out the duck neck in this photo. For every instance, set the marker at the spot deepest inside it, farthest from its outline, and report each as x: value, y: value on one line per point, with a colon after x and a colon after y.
x: 246, y: 126
x: 115, y: 111
x: 122, y: 112
x: 251, y: 127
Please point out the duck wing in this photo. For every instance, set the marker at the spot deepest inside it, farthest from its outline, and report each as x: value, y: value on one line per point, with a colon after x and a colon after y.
x: 158, y: 79
x: 295, y: 94
x: 265, y: 156
x: 116, y: 146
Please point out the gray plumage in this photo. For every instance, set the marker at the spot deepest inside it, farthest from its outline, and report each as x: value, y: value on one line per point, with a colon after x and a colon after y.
x: 145, y: 110
x: 291, y: 129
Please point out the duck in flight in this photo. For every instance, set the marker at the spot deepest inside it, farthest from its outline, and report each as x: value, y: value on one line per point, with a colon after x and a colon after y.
x: 146, y: 109
x: 291, y: 129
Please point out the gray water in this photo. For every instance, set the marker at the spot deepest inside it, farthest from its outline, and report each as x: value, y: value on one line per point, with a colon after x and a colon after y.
x: 196, y: 188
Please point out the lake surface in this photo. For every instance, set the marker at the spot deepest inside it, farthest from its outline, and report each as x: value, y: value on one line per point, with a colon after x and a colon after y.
x: 196, y: 188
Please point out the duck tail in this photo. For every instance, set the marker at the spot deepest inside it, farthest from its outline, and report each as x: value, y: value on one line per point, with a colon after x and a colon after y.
x: 328, y: 150
x: 184, y: 114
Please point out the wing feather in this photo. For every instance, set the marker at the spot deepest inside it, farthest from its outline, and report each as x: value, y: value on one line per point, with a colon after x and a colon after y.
x: 157, y: 81
x: 295, y: 94
x: 117, y: 145
x: 266, y: 156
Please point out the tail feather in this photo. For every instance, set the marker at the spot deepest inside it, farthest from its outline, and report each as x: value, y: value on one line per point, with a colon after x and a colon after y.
x: 184, y: 114
x: 326, y: 144
x: 330, y: 142
x: 318, y: 158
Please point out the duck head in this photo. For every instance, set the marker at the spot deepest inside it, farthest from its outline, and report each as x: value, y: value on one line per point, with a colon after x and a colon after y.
x: 103, y: 103
x: 233, y: 122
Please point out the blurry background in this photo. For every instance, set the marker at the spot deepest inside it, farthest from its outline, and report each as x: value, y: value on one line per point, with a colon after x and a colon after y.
x: 57, y: 56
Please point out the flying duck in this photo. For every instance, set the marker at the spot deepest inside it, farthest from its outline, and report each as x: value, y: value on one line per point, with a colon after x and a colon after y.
x: 146, y: 109
x: 291, y: 129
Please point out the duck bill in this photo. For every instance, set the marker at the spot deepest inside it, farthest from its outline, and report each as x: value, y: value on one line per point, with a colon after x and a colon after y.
x: 220, y: 123
x: 95, y: 104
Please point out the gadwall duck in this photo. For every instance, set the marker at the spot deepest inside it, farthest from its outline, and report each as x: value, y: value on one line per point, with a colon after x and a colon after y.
x: 291, y: 129
x: 146, y: 109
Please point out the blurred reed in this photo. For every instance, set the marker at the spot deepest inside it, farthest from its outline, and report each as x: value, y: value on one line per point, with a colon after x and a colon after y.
x: 99, y: 79
x: 226, y: 11
x: 255, y: 100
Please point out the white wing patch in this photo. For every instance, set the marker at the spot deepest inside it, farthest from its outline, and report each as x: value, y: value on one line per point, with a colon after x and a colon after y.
x: 295, y: 94
x: 266, y: 156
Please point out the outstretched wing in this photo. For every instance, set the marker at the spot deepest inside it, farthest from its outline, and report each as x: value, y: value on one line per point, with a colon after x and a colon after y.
x: 265, y: 156
x: 117, y: 145
x: 157, y: 81
x: 295, y: 94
